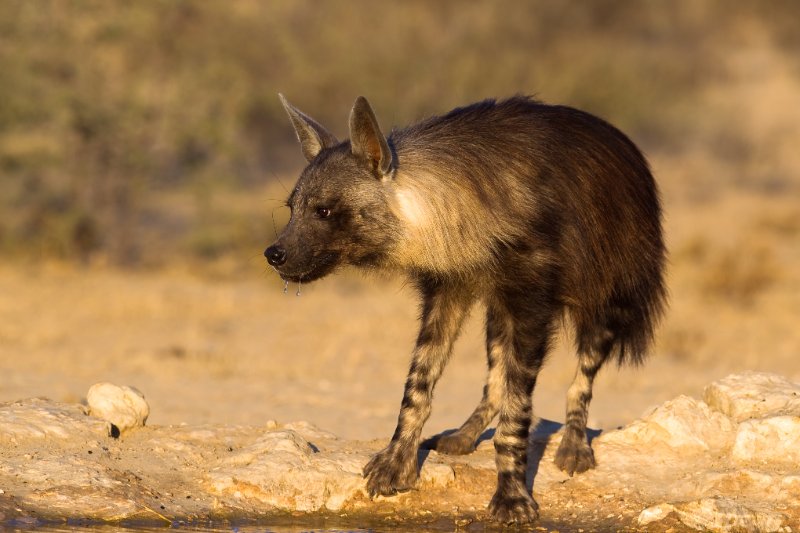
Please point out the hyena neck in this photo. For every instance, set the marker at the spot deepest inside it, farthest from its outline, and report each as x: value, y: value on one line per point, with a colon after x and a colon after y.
x: 440, y: 231
x: 455, y: 208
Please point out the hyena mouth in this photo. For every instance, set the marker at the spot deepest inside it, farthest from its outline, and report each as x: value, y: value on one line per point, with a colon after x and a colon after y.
x: 324, y: 266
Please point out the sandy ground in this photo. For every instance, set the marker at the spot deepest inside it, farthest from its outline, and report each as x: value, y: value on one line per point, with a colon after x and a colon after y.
x: 233, y: 348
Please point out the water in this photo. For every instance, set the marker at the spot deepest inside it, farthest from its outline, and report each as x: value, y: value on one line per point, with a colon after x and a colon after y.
x: 284, y: 526
x: 275, y: 528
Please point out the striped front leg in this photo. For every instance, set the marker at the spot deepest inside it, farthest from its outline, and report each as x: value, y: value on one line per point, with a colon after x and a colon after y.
x: 444, y: 308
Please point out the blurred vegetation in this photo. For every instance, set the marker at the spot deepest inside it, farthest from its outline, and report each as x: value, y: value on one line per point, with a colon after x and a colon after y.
x: 144, y: 131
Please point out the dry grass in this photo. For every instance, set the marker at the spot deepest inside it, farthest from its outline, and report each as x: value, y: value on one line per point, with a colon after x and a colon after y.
x: 741, y: 274
x: 735, y: 274
x: 108, y: 107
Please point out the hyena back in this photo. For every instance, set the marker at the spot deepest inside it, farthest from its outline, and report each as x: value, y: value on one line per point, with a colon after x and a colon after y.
x: 536, y: 210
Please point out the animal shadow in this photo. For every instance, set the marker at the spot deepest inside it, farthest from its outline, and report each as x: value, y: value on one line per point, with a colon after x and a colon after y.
x: 540, y: 437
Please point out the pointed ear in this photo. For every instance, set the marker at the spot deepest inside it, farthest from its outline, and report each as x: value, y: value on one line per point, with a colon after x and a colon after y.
x: 366, y: 139
x: 312, y: 136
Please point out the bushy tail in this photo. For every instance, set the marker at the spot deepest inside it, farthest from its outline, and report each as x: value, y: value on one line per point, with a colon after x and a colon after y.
x: 624, y: 327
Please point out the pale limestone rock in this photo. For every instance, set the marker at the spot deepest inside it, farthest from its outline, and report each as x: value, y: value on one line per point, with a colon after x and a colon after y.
x: 49, y: 467
x: 307, y: 430
x: 123, y: 407
x: 791, y: 484
x: 89, y: 502
x: 773, y: 440
x: 436, y: 474
x: 655, y: 513
x: 682, y: 461
x: 75, y: 472
x: 683, y: 424
x: 286, y: 472
x: 727, y: 515
x: 40, y: 418
x: 738, y: 480
x: 754, y: 395
x: 282, y: 470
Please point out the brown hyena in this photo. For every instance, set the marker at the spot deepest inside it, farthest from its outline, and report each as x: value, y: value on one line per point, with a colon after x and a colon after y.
x: 540, y: 211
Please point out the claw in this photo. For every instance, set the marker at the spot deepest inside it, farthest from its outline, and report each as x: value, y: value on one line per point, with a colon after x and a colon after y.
x: 388, y: 473
x: 520, y: 509
x: 574, y: 456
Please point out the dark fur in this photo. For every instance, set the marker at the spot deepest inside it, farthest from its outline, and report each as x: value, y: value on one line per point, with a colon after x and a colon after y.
x: 537, y: 210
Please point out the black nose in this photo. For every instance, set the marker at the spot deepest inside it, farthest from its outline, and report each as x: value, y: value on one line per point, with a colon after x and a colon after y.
x: 276, y: 256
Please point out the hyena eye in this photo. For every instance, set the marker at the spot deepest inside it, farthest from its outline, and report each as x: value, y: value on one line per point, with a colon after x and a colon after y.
x: 323, y: 212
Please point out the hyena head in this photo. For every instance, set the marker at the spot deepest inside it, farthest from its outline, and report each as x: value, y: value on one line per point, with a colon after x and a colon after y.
x: 339, y: 207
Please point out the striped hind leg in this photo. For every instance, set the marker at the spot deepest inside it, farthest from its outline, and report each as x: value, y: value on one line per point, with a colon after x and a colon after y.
x: 574, y: 453
x: 463, y: 441
x: 525, y: 340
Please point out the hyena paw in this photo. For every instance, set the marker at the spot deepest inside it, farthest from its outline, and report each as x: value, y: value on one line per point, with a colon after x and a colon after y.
x: 574, y: 455
x: 455, y: 444
x: 389, y: 472
x: 519, y: 508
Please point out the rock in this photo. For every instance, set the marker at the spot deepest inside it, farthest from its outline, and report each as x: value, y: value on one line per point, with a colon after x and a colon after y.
x: 682, y: 424
x: 436, y: 474
x: 726, y: 515
x: 286, y: 472
x: 768, y: 485
x: 774, y: 440
x: 655, y: 513
x: 122, y: 407
x: 283, y: 471
x: 307, y: 430
x: 52, y: 504
x: 51, y: 469
x: 682, y: 462
x: 754, y: 395
x: 39, y: 418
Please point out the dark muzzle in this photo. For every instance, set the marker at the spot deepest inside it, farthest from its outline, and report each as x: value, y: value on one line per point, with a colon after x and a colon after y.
x: 276, y: 256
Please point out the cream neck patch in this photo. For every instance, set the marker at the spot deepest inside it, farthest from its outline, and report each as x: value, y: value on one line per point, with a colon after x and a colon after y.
x: 412, y: 208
